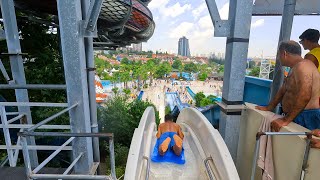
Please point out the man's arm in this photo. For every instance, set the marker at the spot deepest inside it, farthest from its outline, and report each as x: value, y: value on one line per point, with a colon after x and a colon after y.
x: 303, y: 78
x: 275, y: 101
x: 159, y: 132
x: 313, y: 59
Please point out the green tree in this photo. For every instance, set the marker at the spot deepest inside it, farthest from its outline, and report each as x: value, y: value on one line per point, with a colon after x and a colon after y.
x: 255, y: 72
x: 221, y: 69
x: 125, y: 61
x: 198, y: 97
x: 177, y: 64
x: 203, y: 76
x: 190, y: 67
x: 164, y: 68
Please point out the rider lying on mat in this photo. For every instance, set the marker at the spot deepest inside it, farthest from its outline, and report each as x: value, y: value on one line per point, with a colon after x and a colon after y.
x: 170, y: 136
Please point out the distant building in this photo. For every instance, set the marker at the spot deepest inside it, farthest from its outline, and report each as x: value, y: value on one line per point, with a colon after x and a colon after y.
x: 137, y: 47
x: 183, y: 47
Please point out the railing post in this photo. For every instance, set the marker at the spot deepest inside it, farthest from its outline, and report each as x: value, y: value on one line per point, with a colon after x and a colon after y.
x: 112, y: 161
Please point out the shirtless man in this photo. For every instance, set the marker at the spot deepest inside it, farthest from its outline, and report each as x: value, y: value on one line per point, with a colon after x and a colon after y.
x: 169, y: 136
x: 300, y: 92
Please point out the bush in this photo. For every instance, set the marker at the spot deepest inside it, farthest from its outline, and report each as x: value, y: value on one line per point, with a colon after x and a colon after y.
x: 203, y: 76
x: 145, y: 86
x: 127, y: 91
x: 115, y: 90
x: 167, y: 110
x: 206, y: 102
x: 198, y: 97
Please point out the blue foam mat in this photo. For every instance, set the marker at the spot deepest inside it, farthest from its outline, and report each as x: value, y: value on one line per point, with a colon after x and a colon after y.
x: 169, y: 156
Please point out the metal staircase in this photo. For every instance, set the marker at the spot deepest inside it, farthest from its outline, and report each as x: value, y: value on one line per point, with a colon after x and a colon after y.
x: 77, y: 23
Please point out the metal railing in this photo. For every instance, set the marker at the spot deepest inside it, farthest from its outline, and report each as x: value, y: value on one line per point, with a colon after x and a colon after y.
x: 257, y: 146
x: 6, y: 125
x: 32, y: 174
x: 148, y: 167
x: 208, y: 168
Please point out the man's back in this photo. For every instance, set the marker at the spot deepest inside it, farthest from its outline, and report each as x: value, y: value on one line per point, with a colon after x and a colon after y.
x: 169, y: 127
x: 304, y: 78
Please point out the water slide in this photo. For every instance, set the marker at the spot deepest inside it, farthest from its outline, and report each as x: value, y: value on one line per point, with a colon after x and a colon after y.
x: 207, y: 156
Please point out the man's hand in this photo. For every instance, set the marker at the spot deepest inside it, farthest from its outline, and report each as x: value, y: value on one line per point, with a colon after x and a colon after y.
x: 278, y: 123
x: 315, y: 143
x: 263, y: 108
x: 316, y: 132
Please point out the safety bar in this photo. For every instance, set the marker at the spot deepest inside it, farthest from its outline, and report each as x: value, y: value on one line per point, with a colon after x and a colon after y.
x: 33, y: 86
x: 32, y: 174
x: 35, y: 104
x: 256, y: 152
x: 148, y: 167
x: 45, y: 162
x: 15, y: 118
x: 208, y: 167
x: 51, y: 118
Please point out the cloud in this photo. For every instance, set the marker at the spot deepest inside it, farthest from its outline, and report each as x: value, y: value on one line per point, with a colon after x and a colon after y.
x: 169, y: 11
x: 197, y: 12
x: 157, y: 4
x: 224, y: 11
x: 181, y: 30
x: 205, y: 22
x: 257, y: 23
x: 175, y: 10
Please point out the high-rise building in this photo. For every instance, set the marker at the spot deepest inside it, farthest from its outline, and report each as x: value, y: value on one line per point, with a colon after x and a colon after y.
x: 137, y: 47
x: 183, y: 47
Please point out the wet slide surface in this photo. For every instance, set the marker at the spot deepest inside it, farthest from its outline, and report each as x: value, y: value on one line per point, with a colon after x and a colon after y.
x: 193, y: 169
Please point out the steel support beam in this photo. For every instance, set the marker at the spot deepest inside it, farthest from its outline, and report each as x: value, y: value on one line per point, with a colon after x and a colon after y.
x: 16, y: 63
x: 4, y: 72
x: 88, y: 42
x: 92, y: 15
x: 285, y: 33
x: 74, y: 60
x: 221, y: 27
x: 234, y: 71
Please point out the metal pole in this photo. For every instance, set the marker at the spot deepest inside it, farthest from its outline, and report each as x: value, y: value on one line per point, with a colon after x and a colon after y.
x: 74, y: 60
x: 240, y: 13
x: 32, y: 86
x: 285, y: 33
x: 26, y: 157
x: 6, y: 134
x: 91, y: 85
x: 4, y: 72
x: 256, y: 153
x: 112, y: 162
x: 306, y: 157
x: 16, y: 63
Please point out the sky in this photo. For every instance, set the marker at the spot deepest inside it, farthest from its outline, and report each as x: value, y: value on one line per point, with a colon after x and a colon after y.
x: 190, y: 18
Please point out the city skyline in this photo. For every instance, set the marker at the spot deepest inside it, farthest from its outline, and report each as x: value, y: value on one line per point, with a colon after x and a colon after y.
x: 177, y: 18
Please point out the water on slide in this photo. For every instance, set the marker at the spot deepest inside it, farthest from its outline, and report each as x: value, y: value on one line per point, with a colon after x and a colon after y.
x: 193, y: 169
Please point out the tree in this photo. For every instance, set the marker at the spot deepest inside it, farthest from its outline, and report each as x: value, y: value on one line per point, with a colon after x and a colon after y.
x: 164, y: 68
x: 198, y: 97
x: 191, y: 67
x: 177, y: 64
x: 203, y: 76
x: 125, y: 61
x: 255, y: 72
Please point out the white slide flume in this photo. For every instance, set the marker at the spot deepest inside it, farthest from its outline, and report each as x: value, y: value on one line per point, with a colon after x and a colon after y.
x: 202, y: 143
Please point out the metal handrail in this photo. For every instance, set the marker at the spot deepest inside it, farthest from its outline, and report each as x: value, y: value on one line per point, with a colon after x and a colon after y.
x: 256, y: 152
x: 208, y: 168
x: 148, y: 167
x: 32, y: 174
